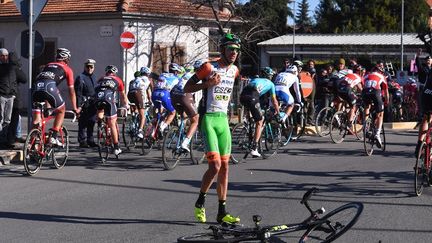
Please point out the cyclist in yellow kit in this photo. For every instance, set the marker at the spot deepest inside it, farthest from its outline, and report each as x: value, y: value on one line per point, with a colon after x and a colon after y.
x: 217, y: 83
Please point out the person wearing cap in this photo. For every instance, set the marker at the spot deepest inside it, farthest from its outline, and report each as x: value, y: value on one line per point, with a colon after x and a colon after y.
x: 85, y: 90
x: 10, y: 75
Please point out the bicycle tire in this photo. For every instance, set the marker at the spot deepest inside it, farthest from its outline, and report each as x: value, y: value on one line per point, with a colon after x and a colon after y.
x: 102, y: 141
x: 338, y: 126
x: 60, y: 154
x: 420, y: 171
x: 223, y: 237
x: 197, y: 148
x: 128, y: 132
x: 286, y: 133
x: 170, y: 151
x: 383, y: 139
x: 323, y: 121
x: 299, y: 124
x: 358, y: 123
x: 272, y: 134
x: 324, y: 232
x: 148, y: 142
x: 368, y: 136
x: 240, y: 143
x: 33, y: 150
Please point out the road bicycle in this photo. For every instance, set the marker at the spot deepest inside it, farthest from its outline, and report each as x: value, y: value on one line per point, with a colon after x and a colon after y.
x: 422, y: 168
x: 369, y: 131
x: 339, y: 125
x: 104, y: 138
x: 130, y: 128
x: 317, y: 228
x: 243, y: 134
x: 37, y: 148
x: 152, y: 134
x: 172, y: 151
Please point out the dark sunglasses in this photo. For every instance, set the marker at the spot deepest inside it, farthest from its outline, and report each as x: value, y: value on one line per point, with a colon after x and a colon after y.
x: 89, y: 66
x: 233, y: 48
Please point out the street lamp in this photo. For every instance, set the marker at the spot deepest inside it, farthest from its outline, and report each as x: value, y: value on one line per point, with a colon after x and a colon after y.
x: 402, y: 32
x: 293, y: 26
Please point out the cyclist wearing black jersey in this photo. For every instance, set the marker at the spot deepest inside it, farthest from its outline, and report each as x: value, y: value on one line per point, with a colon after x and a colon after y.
x: 45, y: 89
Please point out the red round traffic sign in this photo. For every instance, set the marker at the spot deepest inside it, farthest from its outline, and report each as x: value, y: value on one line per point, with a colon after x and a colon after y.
x: 127, y: 39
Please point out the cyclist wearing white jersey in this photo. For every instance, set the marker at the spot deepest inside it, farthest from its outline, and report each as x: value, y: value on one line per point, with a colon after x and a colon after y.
x: 283, y: 82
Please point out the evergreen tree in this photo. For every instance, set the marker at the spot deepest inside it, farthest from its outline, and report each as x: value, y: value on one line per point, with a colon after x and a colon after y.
x: 303, y: 20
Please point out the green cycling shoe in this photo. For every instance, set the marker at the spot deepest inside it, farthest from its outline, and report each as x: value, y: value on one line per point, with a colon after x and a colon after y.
x: 227, y: 218
x: 200, y: 214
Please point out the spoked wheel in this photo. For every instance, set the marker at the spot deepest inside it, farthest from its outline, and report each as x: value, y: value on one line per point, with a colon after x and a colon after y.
x: 338, y: 127
x: 334, y: 224
x: 61, y: 153
x: 272, y: 138
x: 299, y: 123
x: 358, y: 123
x: 103, y: 143
x: 129, y: 132
x: 420, y: 171
x: 240, y: 143
x: 323, y: 121
x: 171, y: 151
x: 286, y: 132
x: 383, y: 140
x: 197, y: 148
x: 148, y: 140
x: 33, y: 152
x: 368, y: 136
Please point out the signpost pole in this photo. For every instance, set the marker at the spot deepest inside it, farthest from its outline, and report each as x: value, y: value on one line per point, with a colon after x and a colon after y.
x: 30, y: 66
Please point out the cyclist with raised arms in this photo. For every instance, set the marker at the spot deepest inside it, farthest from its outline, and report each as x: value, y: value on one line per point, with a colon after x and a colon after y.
x: 426, y: 107
x: 106, y: 99
x: 184, y: 102
x: 45, y: 89
x: 375, y: 89
x: 161, y: 95
x: 283, y: 82
x: 253, y: 96
x: 139, y: 93
x: 218, y: 79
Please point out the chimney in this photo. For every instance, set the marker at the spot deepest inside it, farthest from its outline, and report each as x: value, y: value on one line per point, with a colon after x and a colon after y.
x: 124, y: 5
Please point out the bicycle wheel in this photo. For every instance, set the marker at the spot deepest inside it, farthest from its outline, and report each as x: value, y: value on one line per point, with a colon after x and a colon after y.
x: 33, y: 152
x: 240, y: 143
x: 299, y: 123
x: 171, y: 150
x: 129, y: 129
x: 420, y: 171
x: 338, y: 126
x: 334, y: 224
x: 368, y: 136
x: 61, y: 153
x: 271, y: 143
x: 197, y: 148
x: 103, y: 140
x: 286, y: 132
x: 323, y: 121
x: 383, y: 139
x: 148, y: 140
x: 358, y: 123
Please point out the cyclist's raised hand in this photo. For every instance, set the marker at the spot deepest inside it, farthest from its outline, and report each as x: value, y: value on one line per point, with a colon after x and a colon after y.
x: 213, y: 80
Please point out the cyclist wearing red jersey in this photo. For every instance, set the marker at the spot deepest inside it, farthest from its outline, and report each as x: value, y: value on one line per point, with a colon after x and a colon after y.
x: 375, y: 89
x: 217, y: 82
x: 45, y: 89
x: 106, y: 99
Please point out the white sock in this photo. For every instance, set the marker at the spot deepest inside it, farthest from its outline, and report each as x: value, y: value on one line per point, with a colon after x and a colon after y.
x: 162, y: 126
x: 285, y: 117
x: 186, y: 142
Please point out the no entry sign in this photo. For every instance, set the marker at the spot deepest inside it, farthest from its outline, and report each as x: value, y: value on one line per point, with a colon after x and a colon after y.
x: 127, y: 40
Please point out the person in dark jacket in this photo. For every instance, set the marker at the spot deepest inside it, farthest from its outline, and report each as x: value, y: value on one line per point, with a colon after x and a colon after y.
x: 84, y: 89
x: 10, y: 75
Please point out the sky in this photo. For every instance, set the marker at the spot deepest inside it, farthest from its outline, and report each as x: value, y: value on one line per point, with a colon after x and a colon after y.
x: 312, y: 5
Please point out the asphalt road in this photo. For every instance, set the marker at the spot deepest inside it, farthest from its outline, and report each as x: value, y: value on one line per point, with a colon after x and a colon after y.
x: 134, y: 200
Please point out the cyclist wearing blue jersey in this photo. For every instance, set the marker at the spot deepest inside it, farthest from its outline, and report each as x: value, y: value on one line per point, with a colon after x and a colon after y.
x: 161, y: 96
x: 253, y: 96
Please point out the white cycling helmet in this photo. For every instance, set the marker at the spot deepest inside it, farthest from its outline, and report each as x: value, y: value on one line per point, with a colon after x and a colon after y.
x: 292, y: 69
x: 111, y: 69
x: 63, y: 54
x: 145, y: 70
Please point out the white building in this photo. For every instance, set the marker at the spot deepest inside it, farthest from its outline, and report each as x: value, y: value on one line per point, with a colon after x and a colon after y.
x: 165, y: 30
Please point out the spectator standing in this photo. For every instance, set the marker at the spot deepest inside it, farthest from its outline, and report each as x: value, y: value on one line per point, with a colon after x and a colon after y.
x: 424, y: 73
x: 14, y: 131
x: 85, y: 91
x: 10, y: 75
x: 310, y: 104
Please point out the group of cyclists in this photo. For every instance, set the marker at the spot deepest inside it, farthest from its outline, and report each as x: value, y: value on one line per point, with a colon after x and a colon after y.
x: 174, y: 92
